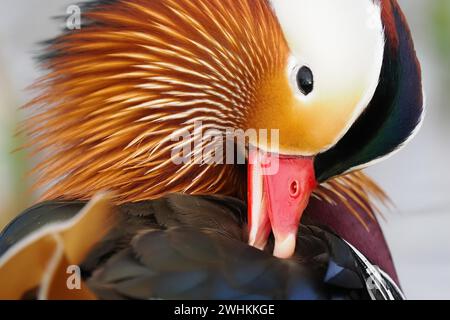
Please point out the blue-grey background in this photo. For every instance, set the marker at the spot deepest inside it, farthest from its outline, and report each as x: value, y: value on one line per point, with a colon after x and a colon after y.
x: 417, y: 179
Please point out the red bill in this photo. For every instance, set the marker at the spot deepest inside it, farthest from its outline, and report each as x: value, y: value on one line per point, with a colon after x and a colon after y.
x: 279, y: 188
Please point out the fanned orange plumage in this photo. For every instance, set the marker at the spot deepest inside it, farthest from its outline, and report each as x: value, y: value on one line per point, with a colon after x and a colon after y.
x: 141, y: 70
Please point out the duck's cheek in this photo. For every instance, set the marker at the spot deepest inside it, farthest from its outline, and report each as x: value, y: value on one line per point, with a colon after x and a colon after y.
x: 297, y: 129
x: 313, y: 127
x: 302, y: 125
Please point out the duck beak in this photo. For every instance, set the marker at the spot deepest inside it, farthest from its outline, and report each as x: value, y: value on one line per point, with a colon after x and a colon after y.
x: 279, y: 188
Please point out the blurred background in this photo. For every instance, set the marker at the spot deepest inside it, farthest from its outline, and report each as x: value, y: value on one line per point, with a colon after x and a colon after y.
x: 417, y: 179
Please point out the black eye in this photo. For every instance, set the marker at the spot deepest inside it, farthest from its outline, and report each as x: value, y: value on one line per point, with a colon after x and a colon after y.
x: 305, y: 80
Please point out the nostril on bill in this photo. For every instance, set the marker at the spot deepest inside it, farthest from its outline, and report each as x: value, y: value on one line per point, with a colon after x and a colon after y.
x: 294, y: 188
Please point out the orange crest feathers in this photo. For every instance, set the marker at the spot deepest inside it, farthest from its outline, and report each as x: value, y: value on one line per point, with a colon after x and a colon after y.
x: 137, y: 72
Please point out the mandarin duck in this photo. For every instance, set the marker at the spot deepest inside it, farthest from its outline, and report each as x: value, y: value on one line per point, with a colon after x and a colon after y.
x: 336, y: 83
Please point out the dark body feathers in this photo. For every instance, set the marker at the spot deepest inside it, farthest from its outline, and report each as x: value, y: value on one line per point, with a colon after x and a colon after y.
x: 192, y: 247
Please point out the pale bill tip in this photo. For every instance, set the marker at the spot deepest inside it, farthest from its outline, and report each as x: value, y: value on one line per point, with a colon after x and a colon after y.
x: 285, y: 248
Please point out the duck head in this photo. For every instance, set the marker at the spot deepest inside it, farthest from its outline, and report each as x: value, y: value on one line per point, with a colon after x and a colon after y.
x: 337, y: 80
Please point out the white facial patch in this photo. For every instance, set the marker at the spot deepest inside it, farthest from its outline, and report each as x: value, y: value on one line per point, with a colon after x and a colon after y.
x: 341, y: 41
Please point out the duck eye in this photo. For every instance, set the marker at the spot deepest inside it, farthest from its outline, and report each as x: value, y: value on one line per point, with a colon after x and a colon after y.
x: 305, y: 80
